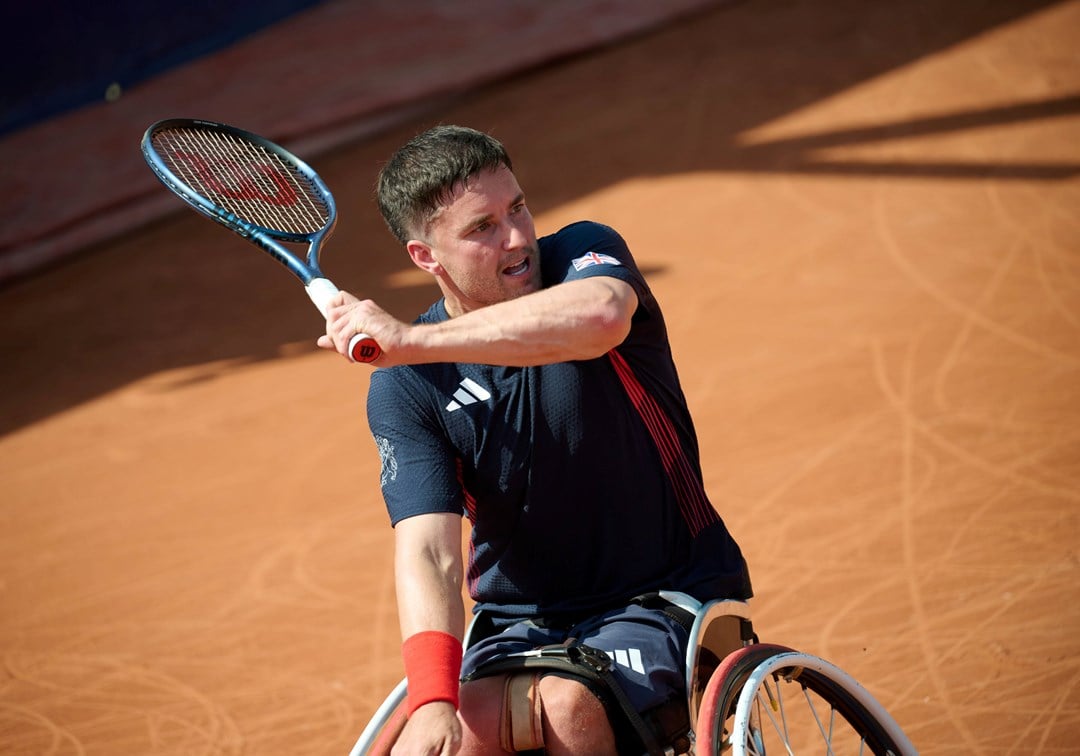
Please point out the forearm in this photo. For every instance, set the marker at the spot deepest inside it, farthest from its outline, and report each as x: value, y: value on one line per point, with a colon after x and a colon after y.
x: 573, y: 321
x: 428, y: 575
x: 428, y: 571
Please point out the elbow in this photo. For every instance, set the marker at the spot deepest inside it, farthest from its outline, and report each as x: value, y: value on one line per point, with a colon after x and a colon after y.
x: 611, y: 318
x: 612, y: 327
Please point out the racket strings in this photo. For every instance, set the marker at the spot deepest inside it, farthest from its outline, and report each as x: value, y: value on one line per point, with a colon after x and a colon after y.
x: 245, y: 178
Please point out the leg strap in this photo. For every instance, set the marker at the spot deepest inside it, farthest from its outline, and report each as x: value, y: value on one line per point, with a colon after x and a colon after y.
x: 577, y: 660
x: 522, y: 727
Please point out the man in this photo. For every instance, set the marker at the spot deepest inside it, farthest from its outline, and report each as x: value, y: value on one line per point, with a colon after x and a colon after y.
x: 538, y: 397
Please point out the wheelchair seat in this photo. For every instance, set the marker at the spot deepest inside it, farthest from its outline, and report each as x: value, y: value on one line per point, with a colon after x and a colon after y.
x: 720, y: 627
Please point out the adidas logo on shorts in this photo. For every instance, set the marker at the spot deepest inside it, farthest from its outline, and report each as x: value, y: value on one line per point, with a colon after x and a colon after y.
x: 629, y: 658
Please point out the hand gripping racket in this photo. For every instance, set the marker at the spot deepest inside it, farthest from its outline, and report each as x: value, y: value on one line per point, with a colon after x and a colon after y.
x: 259, y: 190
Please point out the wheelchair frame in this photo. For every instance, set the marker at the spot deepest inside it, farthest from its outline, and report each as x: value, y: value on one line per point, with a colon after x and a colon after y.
x: 733, y: 681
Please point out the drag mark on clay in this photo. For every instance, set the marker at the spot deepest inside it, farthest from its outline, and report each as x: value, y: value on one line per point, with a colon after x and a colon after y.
x: 22, y: 718
x: 170, y: 710
x: 941, y: 295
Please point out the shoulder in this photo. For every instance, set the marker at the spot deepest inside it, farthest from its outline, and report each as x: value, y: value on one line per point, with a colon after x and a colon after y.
x: 586, y: 249
x: 582, y: 236
x: 408, y: 396
x: 392, y: 393
x: 403, y: 384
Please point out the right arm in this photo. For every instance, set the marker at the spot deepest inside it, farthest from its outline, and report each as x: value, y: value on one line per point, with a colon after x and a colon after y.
x: 428, y: 571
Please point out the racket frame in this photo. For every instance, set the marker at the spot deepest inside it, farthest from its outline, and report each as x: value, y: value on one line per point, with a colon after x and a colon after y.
x: 266, y: 238
x: 320, y: 289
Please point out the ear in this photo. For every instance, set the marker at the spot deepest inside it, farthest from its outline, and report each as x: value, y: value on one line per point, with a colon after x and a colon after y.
x: 422, y: 256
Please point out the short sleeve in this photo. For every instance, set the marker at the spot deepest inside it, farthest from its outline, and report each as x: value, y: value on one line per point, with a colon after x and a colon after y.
x: 418, y: 468
x: 587, y: 249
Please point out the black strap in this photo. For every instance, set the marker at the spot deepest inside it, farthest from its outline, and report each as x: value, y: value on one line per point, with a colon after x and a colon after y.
x: 674, y: 612
x: 601, y: 662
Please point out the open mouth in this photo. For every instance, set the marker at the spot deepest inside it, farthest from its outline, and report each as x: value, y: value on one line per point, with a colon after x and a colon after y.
x: 518, y: 269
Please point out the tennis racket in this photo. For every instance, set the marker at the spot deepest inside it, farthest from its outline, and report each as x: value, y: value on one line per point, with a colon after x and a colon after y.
x: 259, y: 190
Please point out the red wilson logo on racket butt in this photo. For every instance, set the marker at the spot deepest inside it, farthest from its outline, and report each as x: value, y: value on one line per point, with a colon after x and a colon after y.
x: 241, y: 182
x: 365, y: 352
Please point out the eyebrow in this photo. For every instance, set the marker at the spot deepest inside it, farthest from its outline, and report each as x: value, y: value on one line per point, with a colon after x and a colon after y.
x: 474, y: 222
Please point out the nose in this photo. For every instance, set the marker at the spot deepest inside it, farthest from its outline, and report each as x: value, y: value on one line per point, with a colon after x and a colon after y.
x: 516, y: 238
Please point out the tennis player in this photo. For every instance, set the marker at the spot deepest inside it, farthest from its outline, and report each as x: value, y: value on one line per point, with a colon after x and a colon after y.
x: 538, y: 398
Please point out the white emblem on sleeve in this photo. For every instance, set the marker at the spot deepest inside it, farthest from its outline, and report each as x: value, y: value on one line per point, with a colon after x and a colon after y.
x: 593, y: 258
x: 389, y: 462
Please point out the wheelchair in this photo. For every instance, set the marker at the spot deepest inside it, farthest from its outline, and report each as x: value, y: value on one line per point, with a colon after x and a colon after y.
x: 745, y: 697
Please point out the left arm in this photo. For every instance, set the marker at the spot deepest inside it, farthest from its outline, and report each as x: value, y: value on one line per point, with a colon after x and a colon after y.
x: 576, y: 320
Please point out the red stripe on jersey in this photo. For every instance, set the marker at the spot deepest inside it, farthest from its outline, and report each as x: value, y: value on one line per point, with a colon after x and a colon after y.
x: 471, y: 573
x: 689, y: 491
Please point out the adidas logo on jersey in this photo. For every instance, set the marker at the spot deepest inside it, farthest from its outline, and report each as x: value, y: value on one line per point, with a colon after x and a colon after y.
x: 470, y: 392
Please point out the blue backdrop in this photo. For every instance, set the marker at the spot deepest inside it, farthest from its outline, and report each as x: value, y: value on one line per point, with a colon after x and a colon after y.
x: 66, y: 53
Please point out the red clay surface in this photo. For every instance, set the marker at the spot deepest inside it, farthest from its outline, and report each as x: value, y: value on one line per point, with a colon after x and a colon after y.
x: 862, y: 223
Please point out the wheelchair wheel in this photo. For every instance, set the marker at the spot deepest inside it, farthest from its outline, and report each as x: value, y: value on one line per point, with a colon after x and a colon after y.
x: 385, y: 727
x: 769, y: 699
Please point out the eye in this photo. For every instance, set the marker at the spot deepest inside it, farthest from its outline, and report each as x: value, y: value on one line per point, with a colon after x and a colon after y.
x: 481, y: 227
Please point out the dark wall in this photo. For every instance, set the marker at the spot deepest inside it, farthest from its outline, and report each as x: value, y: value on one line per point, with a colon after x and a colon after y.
x: 61, y: 54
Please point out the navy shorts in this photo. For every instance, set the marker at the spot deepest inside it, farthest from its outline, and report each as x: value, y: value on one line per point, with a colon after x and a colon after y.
x: 647, y: 646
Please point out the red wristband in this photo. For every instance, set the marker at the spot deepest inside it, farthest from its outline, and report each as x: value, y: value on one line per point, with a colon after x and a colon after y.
x: 432, y: 666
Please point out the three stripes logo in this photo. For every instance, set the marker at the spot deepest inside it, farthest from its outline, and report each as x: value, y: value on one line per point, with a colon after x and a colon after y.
x: 629, y: 658
x: 469, y: 392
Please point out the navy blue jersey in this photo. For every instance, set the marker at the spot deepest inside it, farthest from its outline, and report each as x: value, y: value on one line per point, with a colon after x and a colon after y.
x: 581, y: 479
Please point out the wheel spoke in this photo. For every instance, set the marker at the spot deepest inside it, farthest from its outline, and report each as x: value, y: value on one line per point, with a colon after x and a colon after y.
x: 776, y: 718
x: 783, y: 714
x: 827, y: 735
x: 833, y: 709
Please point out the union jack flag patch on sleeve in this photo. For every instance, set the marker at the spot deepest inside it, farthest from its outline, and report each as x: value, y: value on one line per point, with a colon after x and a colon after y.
x: 593, y: 258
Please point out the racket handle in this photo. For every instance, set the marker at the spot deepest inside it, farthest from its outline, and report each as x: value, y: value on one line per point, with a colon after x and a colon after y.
x: 362, y: 348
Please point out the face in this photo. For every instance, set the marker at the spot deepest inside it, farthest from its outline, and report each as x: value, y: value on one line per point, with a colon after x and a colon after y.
x: 481, y: 246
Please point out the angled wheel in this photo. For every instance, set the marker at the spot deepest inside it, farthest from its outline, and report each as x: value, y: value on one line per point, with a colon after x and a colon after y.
x: 769, y: 699
x: 722, y: 693
x: 382, y: 731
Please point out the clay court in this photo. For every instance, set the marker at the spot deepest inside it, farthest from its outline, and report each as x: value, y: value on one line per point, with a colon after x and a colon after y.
x: 863, y: 223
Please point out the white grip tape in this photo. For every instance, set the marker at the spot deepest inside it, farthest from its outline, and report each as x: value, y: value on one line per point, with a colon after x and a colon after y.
x: 321, y: 292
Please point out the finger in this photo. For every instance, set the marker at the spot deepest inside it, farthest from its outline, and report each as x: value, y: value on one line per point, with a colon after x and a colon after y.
x: 337, y: 331
x: 337, y: 300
